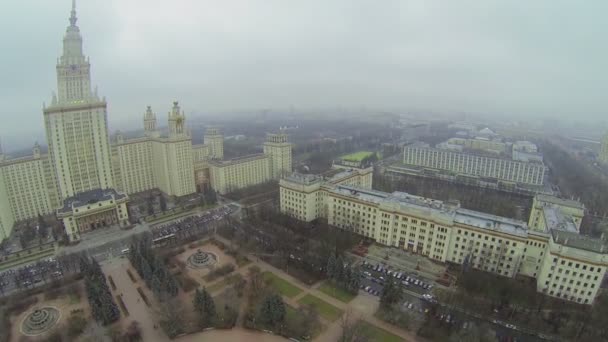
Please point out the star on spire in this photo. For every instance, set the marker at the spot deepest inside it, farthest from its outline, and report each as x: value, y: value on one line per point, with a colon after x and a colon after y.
x: 73, y: 14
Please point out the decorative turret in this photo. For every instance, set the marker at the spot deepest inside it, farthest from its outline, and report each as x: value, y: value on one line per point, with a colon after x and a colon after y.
x: 150, y: 123
x: 176, y: 121
x: 278, y: 148
x: 215, y: 140
x: 120, y: 138
x: 36, y: 150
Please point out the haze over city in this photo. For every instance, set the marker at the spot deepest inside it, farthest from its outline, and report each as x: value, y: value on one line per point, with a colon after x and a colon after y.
x: 272, y: 171
x: 496, y: 58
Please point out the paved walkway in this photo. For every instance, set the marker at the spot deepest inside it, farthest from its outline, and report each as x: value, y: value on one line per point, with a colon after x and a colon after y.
x: 333, y: 330
x: 138, y: 310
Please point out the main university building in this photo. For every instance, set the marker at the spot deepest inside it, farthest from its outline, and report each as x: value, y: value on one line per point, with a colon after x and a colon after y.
x: 548, y: 248
x: 85, y: 179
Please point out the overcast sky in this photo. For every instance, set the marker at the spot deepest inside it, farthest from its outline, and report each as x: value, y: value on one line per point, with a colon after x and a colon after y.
x: 523, y: 58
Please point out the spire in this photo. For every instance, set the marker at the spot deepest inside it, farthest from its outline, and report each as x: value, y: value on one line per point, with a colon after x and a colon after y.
x: 73, y: 14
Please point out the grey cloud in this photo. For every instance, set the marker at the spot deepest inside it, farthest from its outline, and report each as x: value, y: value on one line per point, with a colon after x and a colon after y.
x: 543, y: 58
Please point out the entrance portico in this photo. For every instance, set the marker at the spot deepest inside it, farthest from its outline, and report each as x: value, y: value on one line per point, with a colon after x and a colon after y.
x: 93, y: 209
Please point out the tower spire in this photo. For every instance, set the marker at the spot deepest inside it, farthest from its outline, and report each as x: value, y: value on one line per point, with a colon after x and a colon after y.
x: 73, y: 14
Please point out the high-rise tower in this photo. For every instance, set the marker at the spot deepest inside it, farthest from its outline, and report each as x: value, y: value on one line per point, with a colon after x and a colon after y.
x: 150, y: 123
x: 76, y: 123
x: 215, y: 140
x: 278, y: 149
x: 177, y: 122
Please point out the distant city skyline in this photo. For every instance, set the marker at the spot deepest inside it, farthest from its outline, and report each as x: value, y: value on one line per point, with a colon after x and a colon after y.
x: 545, y: 60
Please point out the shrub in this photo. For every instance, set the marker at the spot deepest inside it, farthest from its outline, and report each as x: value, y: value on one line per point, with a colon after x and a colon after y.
x: 186, y: 282
x: 180, y: 264
x: 54, y: 337
x: 133, y: 333
x: 228, y: 318
x: 219, y: 272
x: 76, y: 325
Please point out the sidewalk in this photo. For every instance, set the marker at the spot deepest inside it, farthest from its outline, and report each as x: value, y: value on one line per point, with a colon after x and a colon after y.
x: 333, y: 329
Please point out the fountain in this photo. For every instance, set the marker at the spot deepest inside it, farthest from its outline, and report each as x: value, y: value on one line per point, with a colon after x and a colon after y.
x: 202, y: 259
x: 40, y: 321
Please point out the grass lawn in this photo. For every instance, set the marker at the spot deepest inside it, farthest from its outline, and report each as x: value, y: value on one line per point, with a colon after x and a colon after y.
x: 220, y: 284
x: 326, y: 310
x: 378, y: 334
x: 242, y: 260
x: 357, y: 156
x: 228, y: 280
x: 283, y: 286
x: 329, y: 289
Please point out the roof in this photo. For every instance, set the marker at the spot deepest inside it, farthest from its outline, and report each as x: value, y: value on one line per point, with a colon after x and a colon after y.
x: 436, y: 208
x: 89, y: 197
x: 560, y: 201
x: 491, y: 222
x: 304, y: 179
x: 574, y: 240
x: 238, y: 160
x: 443, y: 147
x: 556, y: 219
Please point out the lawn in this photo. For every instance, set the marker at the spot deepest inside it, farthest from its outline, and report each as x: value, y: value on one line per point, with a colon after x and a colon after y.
x: 326, y: 310
x: 228, y: 280
x: 357, y: 156
x: 329, y: 289
x: 283, y: 286
x: 378, y: 334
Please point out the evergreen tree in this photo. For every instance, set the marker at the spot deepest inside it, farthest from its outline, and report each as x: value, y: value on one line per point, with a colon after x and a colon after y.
x: 162, y: 202
x: 103, y: 307
x: 205, y: 307
x: 340, y: 272
x: 331, y: 266
x: 272, y: 311
x: 347, y: 277
x: 391, y: 294
x: 43, y: 228
x: 355, y: 280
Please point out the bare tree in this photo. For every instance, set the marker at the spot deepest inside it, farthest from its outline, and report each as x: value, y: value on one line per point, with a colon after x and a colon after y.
x: 352, y: 329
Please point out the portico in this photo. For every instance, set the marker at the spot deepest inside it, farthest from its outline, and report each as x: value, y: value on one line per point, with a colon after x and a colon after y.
x: 93, y: 209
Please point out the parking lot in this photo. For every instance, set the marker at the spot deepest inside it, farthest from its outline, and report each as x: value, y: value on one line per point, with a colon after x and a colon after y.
x: 104, y: 244
x: 418, y: 300
x: 375, y: 276
x: 30, y: 275
x: 191, y: 225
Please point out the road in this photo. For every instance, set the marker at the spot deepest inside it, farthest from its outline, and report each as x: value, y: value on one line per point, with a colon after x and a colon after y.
x: 100, y: 244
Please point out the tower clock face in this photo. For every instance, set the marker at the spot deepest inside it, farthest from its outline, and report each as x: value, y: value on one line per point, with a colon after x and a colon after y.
x: 73, y: 67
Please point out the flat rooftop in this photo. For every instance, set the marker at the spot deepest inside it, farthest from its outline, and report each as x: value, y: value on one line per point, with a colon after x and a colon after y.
x: 556, y: 219
x: 475, y: 152
x: 238, y: 160
x: 560, y: 201
x: 304, y: 179
x: 574, y: 240
x: 438, y: 208
x: 491, y: 222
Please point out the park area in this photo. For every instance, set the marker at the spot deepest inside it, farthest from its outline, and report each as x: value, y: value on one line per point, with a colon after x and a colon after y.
x: 178, y: 293
x: 339, y: 293
x: 357, y: 156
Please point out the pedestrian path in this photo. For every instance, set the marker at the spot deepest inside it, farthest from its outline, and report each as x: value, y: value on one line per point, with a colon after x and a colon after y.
x: 333, y: 329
